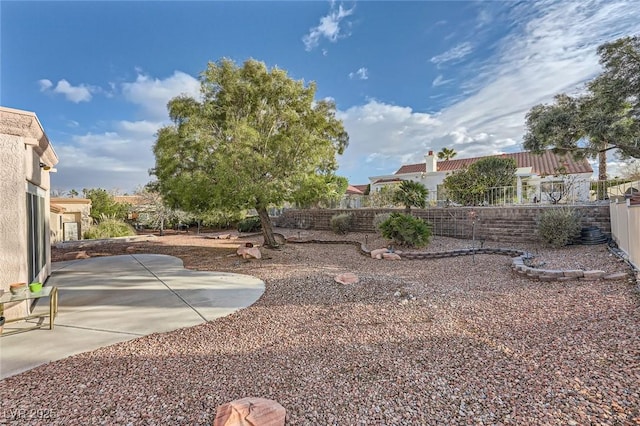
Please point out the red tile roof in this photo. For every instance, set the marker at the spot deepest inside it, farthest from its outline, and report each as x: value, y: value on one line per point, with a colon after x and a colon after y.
x: 362, y: 188
x: 544, y: 164
x: 353, y: 190
x: 389, y: 180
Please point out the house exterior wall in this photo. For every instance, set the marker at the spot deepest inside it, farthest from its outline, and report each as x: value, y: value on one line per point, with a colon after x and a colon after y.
x: 579, y: 184
x: 23, y: 146
x: 76, y: 210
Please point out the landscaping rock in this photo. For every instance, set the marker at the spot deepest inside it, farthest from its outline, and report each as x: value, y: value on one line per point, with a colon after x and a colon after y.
x: 616, y: 276
x: 249, y: 252
x: 72, y: 255
x: 376, y: 252
x: 593, y: 275
x: 250, y: 411
x: 391, y: 256
x: 347, y: 278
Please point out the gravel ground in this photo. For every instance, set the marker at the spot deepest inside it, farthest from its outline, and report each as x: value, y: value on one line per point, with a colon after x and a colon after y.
x: 444, y: 341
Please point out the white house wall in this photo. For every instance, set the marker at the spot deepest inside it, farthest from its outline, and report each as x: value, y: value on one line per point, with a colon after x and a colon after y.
x: 581, y: 184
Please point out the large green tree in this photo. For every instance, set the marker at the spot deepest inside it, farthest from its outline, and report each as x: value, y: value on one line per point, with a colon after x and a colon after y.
x: 411, y: 194
x: 255, y: 138
x: 104, y: 205
x: 482, y: 182
x: 605, y: 117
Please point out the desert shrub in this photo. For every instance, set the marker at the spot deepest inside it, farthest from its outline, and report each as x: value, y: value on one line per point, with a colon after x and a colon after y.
x: 378, y: 219
x: 406, y: 230
x: 558, y: 227
x: 249, y: 224
x: 341, y: 223
x: 109, y: 228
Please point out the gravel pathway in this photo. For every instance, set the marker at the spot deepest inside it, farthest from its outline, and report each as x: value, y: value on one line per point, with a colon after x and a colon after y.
x: 444, y: 341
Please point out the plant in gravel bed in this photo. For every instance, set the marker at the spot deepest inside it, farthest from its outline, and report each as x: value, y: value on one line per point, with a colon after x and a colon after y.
x: 559, y: 227
x: 109, y: 227
x: 341, y: 223
x: 406, y: 230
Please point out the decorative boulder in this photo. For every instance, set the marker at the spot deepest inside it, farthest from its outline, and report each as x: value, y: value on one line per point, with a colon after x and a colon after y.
x: 376, y: 252
x: 73, y: 255
x: 249, y: 252
x: 250, y: 411
x: 347, y: 278
x: 391, y: 256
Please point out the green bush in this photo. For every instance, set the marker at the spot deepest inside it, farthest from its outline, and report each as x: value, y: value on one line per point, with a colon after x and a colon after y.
x: 250, y: 224
x: 341, y: 223
x: 109, y: 228
x: 378, y: 219
x: 559, y: 226
x: 406, y: 230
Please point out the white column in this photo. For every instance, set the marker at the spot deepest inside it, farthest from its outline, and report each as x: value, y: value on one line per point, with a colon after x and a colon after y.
x: 519, y: 189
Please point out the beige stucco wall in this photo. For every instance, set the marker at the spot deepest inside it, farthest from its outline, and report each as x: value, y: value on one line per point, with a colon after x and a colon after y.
x: 23, y: 145
x: 75, y: 210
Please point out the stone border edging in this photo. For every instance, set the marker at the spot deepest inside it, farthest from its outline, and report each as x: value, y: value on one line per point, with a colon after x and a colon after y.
x: 518, y: 258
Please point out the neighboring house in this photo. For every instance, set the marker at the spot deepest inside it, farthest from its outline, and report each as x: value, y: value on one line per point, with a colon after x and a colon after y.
x: 623, y: 190
x: 70, y: 218
x: 27, y: 160
x: 538, y: 177
x: 353, y: 197
x: 141, y: 208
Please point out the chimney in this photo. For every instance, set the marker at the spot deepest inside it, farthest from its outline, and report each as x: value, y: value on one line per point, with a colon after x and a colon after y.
x: 431, y: 163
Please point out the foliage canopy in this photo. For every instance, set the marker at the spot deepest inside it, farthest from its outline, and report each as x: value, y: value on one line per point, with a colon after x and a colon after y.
x: 475, y: 184
x: 104, y: 205
x: 606, y: 117
x: 411, y: 194
x: 255, y: 138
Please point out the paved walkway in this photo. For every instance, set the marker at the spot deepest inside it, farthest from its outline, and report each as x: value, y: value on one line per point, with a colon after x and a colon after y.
x: 105, y: 300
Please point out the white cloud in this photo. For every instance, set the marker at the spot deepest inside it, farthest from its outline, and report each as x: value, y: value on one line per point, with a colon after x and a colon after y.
x: 45, y: 84
x: 362, y: 74
x: 383, y: 136
x: 77, y: 94
x: 153, y: 94
x: 329, y: 27
x: 440, y: 81
x: 540, y: 57
x: 121, y: 156
x: 454, y: 54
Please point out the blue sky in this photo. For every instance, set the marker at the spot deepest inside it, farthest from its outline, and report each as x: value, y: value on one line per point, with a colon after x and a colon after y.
x: 406, y: 77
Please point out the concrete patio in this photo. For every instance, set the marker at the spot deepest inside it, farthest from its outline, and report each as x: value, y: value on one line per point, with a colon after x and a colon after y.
x: 106, y: 300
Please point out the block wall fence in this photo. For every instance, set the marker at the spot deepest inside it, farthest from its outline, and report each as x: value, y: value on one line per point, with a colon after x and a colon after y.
x: 507, y: 224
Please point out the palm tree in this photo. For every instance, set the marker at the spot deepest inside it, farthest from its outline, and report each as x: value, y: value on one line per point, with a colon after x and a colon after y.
x: 411, y: 194
x: 447, y: 154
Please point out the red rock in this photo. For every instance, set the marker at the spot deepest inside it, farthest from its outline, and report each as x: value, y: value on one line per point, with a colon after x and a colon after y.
x: 347, y: 278
x: 250, y: 411
x: 72, y: 255
x: 376, y: 252
x: 249, y: 252
x: 391, y: 256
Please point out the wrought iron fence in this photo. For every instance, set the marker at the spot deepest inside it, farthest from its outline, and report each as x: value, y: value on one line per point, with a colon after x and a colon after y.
x: 546, y: 192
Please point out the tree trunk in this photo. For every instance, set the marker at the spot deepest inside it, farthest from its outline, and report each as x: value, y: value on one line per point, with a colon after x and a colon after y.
x: 602, y: 175
x: 602, y: 165
x: 267, y: 229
